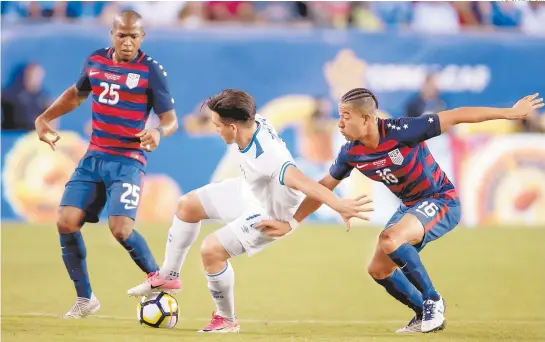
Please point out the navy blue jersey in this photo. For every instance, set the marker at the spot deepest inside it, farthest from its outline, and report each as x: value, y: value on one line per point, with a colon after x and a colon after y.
x: 402, y: 160
x: 123, y: 95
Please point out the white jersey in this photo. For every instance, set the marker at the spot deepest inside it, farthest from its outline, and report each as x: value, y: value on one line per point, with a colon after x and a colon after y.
x: 263, y: 164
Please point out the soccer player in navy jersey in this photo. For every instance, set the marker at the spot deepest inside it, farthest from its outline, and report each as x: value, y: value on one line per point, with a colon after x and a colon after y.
x: 394, y: 152
x: 125, y: 85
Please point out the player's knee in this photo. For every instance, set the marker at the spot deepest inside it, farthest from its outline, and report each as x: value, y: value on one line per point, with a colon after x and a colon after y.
x: 121, y: 230
x: 379, y: 271
x: 212, y: 251
x: 190, y: 208
x: 69, y: 221
x: 389, y: 241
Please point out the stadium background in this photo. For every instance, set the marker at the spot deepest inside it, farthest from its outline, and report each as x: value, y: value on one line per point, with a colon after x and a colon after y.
x: 296, y: 66
x: 296, y: 76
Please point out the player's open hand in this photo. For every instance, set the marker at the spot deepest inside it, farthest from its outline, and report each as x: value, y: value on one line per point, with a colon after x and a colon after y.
x: 527, y: 105
x: 273, y: 228
x: 46, y: 133
x: 149, y: 139
x: 356, y: 207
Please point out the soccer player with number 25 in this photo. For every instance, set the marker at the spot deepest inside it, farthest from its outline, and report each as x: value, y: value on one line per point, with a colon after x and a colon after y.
x: 125, y: 84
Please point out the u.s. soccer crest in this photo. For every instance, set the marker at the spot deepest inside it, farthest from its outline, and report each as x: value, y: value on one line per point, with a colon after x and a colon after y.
x: 132, y: 80
x: 396, y: 156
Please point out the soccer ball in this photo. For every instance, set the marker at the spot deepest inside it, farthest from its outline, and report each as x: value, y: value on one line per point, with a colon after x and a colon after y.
x: 158, y: 311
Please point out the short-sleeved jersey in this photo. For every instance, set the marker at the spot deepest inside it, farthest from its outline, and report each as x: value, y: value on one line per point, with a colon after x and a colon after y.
x: 402, y: 160
x: 123, y: 95
x: 264, y: 163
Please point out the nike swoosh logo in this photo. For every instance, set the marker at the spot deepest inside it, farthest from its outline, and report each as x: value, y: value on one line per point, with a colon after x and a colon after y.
x: 91, y: 73
x: 361, y: 166
x: 128, y: 207
x: 156, y: 286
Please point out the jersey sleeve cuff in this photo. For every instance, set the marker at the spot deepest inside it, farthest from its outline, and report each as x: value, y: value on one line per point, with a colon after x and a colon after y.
x: 283, y: 171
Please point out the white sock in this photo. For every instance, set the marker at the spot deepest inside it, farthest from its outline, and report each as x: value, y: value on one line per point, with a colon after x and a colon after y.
x: 221, y: 286
x: 181, y: 236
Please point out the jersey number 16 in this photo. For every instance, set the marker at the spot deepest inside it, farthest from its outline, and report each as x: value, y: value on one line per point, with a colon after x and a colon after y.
x: 428, y: 210
x: 387, y: 176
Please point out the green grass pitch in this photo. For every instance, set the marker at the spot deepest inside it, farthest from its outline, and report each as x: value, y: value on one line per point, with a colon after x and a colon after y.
x: 311, y: 286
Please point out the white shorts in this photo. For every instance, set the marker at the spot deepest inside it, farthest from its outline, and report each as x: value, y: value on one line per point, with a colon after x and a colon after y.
x: 225, y: 201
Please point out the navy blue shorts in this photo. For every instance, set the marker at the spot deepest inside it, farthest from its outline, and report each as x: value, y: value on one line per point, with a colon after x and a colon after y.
x: 438, y: 216
x: 98, y: 180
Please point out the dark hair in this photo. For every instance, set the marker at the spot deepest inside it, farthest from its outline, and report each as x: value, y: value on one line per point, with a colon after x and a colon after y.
x: 359, y: 94
x: 233, y: 104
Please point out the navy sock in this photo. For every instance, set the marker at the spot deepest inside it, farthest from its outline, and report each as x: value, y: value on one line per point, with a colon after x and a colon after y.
x: 399, y: 287
x: 74, y: 254
x: 139, y: 251
x: 408, y: 260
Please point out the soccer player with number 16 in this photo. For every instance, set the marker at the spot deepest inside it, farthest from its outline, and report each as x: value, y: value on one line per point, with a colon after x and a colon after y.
x: 394, y: 152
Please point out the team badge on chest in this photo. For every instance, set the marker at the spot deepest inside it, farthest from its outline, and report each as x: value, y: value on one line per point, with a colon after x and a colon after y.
x: 132, y: 80
x: 396, y: 156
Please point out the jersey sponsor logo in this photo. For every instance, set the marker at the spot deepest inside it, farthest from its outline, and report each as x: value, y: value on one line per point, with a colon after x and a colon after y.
x: 112, y: 77
x: 379, y: 163
x: 396, y: 156
x: 92, y: 73
x: 132, y: 80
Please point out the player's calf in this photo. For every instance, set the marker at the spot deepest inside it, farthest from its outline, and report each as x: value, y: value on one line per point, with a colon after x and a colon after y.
x: 185, y: 228
x: 384, y: 271
x: 122, y: 229
x: 398, y: 243
x: 221, y: 281
x: 183, y: 232
x: 74, y: 252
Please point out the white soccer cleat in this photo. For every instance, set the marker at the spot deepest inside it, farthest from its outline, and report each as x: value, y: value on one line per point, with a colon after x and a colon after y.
x: 433, y: 316
x: 414, y: 326
x: 83, y: 307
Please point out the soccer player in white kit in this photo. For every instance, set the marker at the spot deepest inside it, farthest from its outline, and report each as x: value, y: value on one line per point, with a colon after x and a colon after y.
x: 271, y: 188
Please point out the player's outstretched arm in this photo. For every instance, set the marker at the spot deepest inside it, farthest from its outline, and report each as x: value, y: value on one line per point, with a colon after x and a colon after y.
x: 69, y: 100
x: 520, y: 110
x: 309, y: 205
x: 347, y: 208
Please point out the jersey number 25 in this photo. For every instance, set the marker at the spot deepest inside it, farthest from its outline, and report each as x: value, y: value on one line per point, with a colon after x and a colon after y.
x: 112, y: 90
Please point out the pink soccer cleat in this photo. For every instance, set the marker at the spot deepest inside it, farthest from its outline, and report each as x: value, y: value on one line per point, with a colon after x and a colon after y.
x: 154, y: 284
x: 220, y: 324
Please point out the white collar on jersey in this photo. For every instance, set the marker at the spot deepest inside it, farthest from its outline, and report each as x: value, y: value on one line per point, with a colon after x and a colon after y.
x: 253, y: 139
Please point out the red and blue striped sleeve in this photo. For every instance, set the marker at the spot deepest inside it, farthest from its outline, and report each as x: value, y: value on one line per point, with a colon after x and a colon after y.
x: 340, y: 169
x: 412, y: 131
x: 83, y: 84
x: 162, y: 100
